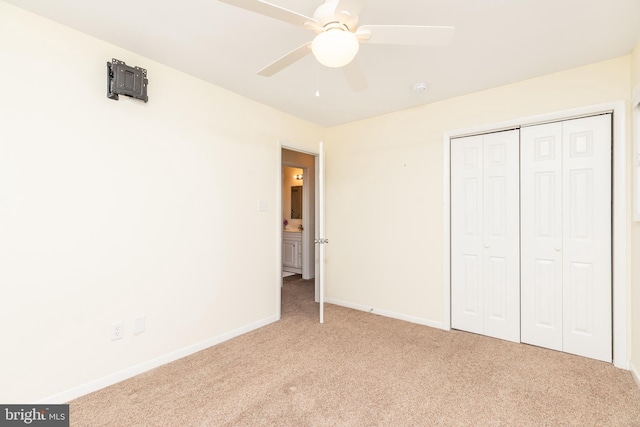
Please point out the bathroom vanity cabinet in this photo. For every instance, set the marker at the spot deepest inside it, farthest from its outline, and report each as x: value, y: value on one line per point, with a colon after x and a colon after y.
x: 292, y: 251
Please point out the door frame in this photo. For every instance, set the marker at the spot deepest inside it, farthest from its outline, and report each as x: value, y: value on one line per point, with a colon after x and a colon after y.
x: 307, y: 238
x: 619, y: 214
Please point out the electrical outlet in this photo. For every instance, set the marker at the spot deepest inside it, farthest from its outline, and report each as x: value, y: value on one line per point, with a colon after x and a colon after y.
x: 117, y: 330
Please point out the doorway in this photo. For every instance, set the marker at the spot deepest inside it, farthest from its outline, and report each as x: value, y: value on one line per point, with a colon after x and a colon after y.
x: 298, y: 212
x: 293, y: 191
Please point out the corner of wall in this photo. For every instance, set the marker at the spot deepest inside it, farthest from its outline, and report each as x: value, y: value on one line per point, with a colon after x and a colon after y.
x: 634, y: 333
x: 635, y: 374
x: 635, y: 72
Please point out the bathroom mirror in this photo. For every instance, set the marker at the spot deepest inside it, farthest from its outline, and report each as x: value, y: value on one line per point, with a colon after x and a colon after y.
x: 296, y: 202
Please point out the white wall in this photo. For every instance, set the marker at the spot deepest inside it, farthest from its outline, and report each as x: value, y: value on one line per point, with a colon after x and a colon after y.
x: 113, y: 209
x: 385, y: 180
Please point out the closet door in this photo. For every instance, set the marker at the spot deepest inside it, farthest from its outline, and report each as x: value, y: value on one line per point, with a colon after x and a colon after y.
x: 467, y: 247
x: 485, y: 235
x: 566, y: 236
x: 501, y: 235
x: 587, y: 237
x: 541, y: 234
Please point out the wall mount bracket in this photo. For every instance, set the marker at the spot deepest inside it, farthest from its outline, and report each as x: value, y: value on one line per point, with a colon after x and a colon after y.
x: 123, y: 79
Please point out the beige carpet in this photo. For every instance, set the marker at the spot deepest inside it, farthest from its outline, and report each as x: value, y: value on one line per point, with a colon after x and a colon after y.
x: 359, y: 369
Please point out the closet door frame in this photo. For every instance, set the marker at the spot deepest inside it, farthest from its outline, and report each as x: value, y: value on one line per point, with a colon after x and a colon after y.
x: 619, y: 214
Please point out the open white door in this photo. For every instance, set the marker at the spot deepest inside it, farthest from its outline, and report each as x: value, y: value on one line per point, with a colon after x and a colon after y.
x: 320, y: 237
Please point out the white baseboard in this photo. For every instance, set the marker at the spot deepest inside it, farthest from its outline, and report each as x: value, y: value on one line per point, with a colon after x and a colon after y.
x: 634, y: 373
x: 385, y: 313
x: 132, y: 371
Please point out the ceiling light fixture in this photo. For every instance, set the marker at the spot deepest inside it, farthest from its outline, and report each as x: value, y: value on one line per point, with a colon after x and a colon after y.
x: 335, y: 47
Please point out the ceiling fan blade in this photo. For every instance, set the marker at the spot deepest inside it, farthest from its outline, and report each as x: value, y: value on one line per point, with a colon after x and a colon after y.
x: 408, y: 35
x: 285, y: 61
x: 274, y: 11
x: 355, y: 76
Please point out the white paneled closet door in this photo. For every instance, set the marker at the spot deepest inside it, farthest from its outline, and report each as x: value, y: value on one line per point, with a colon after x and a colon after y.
x: 467, y: 248
x: 566, y: 236
x: 541, y: 235
x: 485, y: 276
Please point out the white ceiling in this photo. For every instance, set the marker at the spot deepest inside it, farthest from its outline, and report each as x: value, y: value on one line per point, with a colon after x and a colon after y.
x: 496, y: 42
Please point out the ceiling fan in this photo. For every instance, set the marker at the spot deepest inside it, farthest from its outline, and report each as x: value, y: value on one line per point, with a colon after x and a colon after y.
x: 338, y: 35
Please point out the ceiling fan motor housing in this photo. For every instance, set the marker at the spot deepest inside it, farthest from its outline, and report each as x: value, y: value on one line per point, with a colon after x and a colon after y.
x: 328, y: 14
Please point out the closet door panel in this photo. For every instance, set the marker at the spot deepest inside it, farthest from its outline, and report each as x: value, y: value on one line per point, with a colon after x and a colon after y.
x: 587, y: 237
x: 466, y: 234
x: 541, y: 235
x: 501, y: 235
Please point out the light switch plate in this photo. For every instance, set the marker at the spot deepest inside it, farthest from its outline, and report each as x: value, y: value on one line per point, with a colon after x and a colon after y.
x: 139, y: 324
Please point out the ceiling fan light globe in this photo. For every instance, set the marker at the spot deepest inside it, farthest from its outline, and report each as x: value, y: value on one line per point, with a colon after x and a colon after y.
x: 335, y: 48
